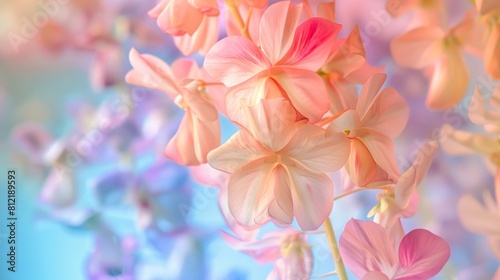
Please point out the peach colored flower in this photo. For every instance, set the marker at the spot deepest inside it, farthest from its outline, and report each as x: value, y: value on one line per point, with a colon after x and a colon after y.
x: 285, y: 65
x: 376, y: 119
x: 286, y: 248
x: 489, y: 11
x: 462, y: 142
x: 483, y: 219
x: 193, y: 23
x: 400, y: 200
x: 278, y: 167
x: 345, y: 68
x: 199, y: 131
x: 373, y: 252
x: 431, y: 46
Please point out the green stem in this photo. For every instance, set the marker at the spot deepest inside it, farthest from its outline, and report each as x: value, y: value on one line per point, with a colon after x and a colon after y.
x: 334, y: 248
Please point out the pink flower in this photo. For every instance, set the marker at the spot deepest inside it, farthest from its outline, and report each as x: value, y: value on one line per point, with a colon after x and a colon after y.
x: 370, y: 126
x: 199, y: 131
x: 373, y: 252
x: 285, y: 65
x: 193, y: 23
x: 401, y: 199
x: 278, y: 167
x: 286, y: 248
x: 178, y: 17
x: 346, y: 67
x: 431, y: 46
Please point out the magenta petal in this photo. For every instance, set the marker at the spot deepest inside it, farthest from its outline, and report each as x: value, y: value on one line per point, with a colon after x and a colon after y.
x: 422, y: 254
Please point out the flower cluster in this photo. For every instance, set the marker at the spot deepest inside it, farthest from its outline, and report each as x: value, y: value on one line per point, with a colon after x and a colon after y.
x: 290, y: 84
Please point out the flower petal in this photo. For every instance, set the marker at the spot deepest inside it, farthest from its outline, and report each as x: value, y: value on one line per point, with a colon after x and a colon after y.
x: 449, y: 81
x: 419, y: 47
x: 306, y: 91
x: 363, y: 247
x: 249, y: 192
x: 311, y: 45
x: 382, y: 149
x: 312, y: 195
x: 422, y: 255
x: 317, y: 152
x: 409, y: 181
x: 234, y: 60
x: 277, y: 29
x: 271, y: 122
x: 238, y: 150
x: 151, y: 72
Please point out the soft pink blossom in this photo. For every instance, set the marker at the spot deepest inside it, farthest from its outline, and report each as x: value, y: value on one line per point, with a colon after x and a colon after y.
x: 199, y: 131
x: 282, y: 64
x: 432, y: 46
x: 286, y: 248
x: 278, y: 167
x: 377, y: 118
x: 401, y: 199
x: 372, y: 252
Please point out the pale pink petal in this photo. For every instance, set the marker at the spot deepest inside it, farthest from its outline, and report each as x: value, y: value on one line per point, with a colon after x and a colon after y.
x: 234, y: 60
x: 306, y: 91
x: 201, y: 40
x: 375, y: 275
x: 369, y: 92
x: 422, y: 255
x: 346, y: 122
x: 238, y: 150
x: 178, y: 18
x: 360, y: 165
x: 312, y: 195
x: 409, y: 181
x: 311, y: 148
x: 364, y: 248
x: 382, y: 149
x: 476, y: 218
x: 387, y: 113
x: 271, y: 122
x: 185, y: 69
x: 350, y: 57
x: 265, y: 250
x: 151, y: 72
x: 206, y: 175
x: 249, y: 191
x: 242, y: 232
x: 419, y: 47
x: 449, y: 81
x: 281, y: 210
x: 249, y: 93
x: 277, y: 29
x: 311, y: 45
x: 342, y: 96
